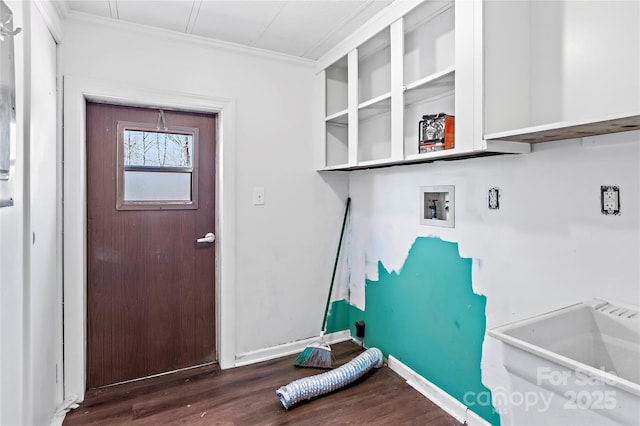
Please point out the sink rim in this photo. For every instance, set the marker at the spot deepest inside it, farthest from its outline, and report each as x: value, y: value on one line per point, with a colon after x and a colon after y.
x: 500, y: 333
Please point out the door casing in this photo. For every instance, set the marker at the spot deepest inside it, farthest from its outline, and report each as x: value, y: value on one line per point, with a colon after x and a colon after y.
x: 76, y: 93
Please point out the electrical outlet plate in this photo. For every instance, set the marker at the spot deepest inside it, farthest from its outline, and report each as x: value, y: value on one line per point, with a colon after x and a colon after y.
x: 494, y: 198
x: 610, y: 200
x: 437, y: 205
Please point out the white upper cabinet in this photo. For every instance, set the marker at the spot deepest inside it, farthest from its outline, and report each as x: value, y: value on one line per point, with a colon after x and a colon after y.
x: 415, y: 58
x: 511, y: 72
x: 560, y: 69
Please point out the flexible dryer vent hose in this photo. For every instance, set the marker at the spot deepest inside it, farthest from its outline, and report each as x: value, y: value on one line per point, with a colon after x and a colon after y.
x: 320, y: 384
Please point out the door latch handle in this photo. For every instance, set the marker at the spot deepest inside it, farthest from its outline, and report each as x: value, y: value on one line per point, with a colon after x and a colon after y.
x: 208, y: 238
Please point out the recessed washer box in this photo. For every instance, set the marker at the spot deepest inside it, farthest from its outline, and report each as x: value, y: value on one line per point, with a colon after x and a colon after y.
x: 437, y: 205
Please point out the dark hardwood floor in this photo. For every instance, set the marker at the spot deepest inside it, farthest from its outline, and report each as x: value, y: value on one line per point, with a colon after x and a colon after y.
x: 246, y: 396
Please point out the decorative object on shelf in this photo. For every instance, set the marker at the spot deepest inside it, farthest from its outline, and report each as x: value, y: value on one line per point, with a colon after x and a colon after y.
x: 436, y: 132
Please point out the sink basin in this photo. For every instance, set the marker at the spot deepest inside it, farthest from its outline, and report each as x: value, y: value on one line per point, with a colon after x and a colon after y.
x: 584, y: 359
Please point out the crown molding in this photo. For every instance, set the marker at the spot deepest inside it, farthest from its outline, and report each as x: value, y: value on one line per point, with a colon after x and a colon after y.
x: 382, y: 19
x: 53, y: 15
x: 186, y: 38
x: 62, y: 7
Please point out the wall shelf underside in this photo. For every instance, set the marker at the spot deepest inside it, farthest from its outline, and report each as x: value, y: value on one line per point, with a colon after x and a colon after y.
x: 493, y: 148
x: 518, y: 140
x: 569, y: 130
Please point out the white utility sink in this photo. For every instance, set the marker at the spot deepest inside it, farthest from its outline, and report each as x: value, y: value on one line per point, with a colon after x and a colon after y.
x: 580, y: 365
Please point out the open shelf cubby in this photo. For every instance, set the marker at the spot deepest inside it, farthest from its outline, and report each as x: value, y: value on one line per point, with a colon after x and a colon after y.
x: 336, y: 116
x: 337, y: 144
x: 429, y: 41
x: 428, y: 66
x: 336, y: 88
x: 374, y: 67
x: 374, y: 131
x: 374, y: 98
x: 413, y: 114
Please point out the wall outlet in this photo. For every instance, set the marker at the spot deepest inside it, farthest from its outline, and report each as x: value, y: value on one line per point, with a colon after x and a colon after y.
x: 494, y: 198
x: 610, y: 200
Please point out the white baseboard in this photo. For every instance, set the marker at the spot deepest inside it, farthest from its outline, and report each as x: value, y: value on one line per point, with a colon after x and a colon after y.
x: 439, y: 397
x: 273, y: 352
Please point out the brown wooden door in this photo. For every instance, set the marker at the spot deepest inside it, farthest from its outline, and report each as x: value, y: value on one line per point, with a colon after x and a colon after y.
x: 150, y: 295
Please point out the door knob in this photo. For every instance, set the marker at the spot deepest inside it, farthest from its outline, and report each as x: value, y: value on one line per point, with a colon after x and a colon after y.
x: 208, y: 238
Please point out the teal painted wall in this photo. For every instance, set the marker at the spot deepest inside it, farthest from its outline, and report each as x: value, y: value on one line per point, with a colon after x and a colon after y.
x: 428, y: 317
x: 339, y: 316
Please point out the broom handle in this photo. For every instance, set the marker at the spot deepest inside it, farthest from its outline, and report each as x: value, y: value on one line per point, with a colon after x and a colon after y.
x: 335, y: 267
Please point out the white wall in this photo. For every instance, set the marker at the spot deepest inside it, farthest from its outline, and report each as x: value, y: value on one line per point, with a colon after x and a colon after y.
x: 548, y: 245
x: 44, y: 236
x: 281, y: 247
x: 30, y: 315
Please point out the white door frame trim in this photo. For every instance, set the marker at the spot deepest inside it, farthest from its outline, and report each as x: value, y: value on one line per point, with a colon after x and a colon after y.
x: 76, y: 92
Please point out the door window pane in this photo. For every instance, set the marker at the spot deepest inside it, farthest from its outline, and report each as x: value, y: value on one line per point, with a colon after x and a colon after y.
x: 154, y: 186
x: 156, y: 168
x: 157, y: 149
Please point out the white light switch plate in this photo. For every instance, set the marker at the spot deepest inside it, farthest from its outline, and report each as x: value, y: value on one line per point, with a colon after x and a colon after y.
x: 258, y: 196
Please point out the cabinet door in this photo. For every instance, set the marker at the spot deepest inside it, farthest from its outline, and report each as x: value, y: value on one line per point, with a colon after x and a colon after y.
x: 554, y: 68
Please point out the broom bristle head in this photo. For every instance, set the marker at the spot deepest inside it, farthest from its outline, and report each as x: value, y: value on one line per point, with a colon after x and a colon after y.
x: 315, y: 356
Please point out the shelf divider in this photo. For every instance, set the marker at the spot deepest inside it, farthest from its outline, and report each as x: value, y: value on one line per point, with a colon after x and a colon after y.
x: 397, y: 90
x: 352, y: 83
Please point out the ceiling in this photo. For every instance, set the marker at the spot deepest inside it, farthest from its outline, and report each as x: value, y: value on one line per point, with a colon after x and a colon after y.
x: 302, y: 28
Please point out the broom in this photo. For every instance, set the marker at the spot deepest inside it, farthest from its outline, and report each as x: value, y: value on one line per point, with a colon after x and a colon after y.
x: 318, y: 353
